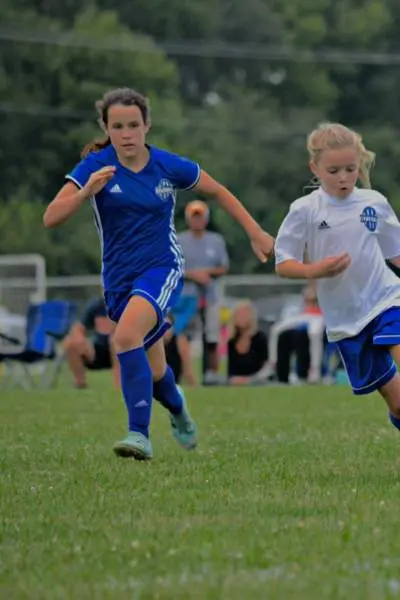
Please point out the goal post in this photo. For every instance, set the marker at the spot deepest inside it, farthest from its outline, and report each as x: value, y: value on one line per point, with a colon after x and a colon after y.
x: 22, y: 281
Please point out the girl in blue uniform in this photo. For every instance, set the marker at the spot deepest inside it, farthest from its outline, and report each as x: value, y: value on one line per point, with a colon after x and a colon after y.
x: 132, y: 188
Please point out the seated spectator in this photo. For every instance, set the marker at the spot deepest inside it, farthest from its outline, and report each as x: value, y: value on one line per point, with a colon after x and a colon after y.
x: 302, y: 335
x: 247, y: 347
x: 89, y: 346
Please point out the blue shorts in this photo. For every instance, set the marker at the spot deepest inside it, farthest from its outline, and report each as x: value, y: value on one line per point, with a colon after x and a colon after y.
x: 161, y: 287
x: 366, y: 356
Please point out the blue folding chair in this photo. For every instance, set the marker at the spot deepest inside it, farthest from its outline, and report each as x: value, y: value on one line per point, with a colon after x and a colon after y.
x: 46, y: 325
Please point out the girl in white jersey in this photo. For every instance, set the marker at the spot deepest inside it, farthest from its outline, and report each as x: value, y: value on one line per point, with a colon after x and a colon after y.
x: 349, y: 232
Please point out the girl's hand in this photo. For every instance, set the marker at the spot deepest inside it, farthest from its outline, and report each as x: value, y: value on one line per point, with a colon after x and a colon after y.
x: 330, y: 266
x: 263, y: 245
x: 98, y: 180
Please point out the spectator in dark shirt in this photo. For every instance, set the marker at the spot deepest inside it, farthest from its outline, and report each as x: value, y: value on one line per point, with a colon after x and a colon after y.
x: 247, y: 347
x: 89, y: 345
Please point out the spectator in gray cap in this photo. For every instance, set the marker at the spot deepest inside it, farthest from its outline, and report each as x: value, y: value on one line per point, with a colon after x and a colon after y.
x: 206, y: 260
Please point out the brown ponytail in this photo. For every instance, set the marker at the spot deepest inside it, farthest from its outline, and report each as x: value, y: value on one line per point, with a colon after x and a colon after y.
x: 94, y: 146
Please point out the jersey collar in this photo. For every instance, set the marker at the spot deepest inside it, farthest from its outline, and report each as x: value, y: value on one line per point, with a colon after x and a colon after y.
x: 109, y: 156
x: 338, y: 201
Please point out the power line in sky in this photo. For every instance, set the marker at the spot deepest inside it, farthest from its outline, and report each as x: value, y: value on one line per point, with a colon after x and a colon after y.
x: 271, y: 131
x: 201, y: 49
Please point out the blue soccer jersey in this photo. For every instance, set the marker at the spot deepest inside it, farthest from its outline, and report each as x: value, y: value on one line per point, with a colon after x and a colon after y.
x: 134, y: 213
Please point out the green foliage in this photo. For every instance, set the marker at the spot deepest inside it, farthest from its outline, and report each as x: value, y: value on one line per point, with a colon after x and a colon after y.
x: 245, y: 118
x: 74, y: 248
x: 69, y: 80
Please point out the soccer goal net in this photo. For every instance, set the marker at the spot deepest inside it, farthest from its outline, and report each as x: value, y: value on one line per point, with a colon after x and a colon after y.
x: 22, y: 281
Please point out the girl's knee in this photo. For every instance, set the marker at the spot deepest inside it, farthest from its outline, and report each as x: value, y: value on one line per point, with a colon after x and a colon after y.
x: 391, y: 394
x: 75, y: 345
x: 395, y: 410
x: 138, y: 318
x: 125, y: 339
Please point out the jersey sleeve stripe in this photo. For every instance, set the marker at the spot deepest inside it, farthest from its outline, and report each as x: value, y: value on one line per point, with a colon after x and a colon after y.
x: 189, y: 187
x: 75, y: 181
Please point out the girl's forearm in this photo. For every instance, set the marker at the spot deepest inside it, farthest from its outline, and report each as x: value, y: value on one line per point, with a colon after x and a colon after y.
x: 62, y: 208
x: 292, y: 269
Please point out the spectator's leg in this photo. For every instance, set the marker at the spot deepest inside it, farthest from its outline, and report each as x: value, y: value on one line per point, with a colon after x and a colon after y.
x: 79, y: 352
x: 316, y: 330
x: 212, y: 356
x: 273, y: 337
x: 284, y: 352
x: 274, y: 334
x: 183, y: 345
x: 212, y: 332
x: 302, y: 349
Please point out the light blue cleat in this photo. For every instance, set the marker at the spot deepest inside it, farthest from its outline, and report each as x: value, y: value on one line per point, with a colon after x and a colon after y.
x: 135, y: 445
x: 183, y: 427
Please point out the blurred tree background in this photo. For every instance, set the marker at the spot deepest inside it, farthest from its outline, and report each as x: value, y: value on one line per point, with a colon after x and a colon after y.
x: 234, y: 85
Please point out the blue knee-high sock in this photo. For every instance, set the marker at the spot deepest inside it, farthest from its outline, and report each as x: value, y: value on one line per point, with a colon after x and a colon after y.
x: 395, y: 421
x: 167, y: 394
x: 137, y: 388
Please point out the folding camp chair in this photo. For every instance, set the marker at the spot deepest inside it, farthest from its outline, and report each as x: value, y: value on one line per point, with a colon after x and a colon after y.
x: 46, y: 324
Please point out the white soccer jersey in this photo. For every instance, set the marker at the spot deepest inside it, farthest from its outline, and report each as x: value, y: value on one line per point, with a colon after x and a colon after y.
x: 365, y: 226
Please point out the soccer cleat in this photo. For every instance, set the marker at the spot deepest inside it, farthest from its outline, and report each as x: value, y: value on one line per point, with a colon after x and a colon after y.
x: 183, y: 427
x: 135, y: 445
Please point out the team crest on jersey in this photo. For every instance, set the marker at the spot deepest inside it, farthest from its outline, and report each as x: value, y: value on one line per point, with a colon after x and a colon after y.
x: 165, y: 190
x: 369, y: 218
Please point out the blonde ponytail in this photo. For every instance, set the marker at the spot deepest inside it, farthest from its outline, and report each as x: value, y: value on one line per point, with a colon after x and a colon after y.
x: 367, y: 159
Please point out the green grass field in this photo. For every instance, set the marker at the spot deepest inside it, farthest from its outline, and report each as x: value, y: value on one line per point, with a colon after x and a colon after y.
x: 293, y: 493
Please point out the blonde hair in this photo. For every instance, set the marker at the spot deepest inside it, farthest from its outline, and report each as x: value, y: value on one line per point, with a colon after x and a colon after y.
x: 234, y: 331
x: 332, y: 136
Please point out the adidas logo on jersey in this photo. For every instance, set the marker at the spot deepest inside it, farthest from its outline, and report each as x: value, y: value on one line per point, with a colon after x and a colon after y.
x: 323, y: 225
x: 116, y: 189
